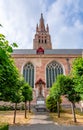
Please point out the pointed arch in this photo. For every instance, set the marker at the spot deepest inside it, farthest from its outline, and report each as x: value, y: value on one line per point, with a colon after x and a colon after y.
x: 28, y: 73
x: 53, y: 69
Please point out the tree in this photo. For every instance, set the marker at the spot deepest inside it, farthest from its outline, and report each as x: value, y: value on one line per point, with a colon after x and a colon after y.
x: 17, y: 99
x: 57, y: 90
x: 27, y: 95
x: 17, y: 95
x: 77, y: 67
x: 8, y: 72
x: 65, y: 85
x: 56, y: 94
x: 77, y: 75
x: 71, y: 94
x: 9, y: 75
x: 51, y: 104
x: 30, y: 98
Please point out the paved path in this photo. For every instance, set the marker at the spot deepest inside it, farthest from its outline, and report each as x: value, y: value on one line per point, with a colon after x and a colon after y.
x: 42, y: 121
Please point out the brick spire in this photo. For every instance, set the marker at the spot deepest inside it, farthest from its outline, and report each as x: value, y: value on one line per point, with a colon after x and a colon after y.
x: 42, y: 36
x: 41, y: 25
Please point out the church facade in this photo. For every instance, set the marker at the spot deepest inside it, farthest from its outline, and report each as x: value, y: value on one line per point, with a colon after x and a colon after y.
x: 41, y: 65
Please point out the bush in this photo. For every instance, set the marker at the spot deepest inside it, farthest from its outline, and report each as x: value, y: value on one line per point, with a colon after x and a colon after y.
x: 51, y: 104
x: 11, y: 107
x: 6, y: 108
x: 4, y: 127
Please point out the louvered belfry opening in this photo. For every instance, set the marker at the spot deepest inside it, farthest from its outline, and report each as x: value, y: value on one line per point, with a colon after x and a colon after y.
x: 42, y: 37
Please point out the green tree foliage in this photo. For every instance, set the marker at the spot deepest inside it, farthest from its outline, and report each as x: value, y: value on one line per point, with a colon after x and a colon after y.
x: 57, y: 90
x: 51, y: 104
x: 71, y: 94
x: 4, y: 127
x: 9, y: 75
x: 77, y: 74
x: 65, y: 85
x: 30, y: 98
x: 8, y: 72
x: 77, y: 67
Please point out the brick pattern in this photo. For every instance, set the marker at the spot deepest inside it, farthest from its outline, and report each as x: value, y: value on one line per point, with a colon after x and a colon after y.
x: 40, y: 62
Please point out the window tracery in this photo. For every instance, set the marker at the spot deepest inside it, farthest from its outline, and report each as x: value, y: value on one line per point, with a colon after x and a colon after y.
x: 28, y: 73
x: 53, y: 69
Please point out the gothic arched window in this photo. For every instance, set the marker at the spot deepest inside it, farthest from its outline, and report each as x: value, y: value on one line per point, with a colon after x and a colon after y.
x: 39, y: 40
x: 28, y: 73
x: 52, y: 70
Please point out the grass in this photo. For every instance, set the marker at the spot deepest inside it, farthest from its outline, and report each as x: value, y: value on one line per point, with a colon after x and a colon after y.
x: 7, y: 117
x: 66, y: 117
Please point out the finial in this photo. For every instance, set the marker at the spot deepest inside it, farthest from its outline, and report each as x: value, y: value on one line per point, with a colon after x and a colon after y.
x: 47, y: 28
x: 37, y: 27
x: 41, y: 15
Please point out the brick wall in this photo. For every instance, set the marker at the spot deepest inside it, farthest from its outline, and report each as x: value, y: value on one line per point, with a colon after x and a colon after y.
x: 40, y: 62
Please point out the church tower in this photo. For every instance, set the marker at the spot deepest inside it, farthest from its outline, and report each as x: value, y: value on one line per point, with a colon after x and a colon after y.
x: 42, y: 36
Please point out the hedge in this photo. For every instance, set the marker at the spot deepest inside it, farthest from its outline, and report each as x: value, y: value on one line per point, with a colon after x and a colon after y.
x: 4, y: 126
x: 51, y: 104
x: 6, y: 108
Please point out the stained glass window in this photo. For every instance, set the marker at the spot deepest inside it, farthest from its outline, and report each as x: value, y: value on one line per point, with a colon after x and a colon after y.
x: 52, y: 70
x: 28, y: 73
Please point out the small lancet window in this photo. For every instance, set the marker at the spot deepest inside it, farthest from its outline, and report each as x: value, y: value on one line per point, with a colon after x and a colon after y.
x: 39, y: 40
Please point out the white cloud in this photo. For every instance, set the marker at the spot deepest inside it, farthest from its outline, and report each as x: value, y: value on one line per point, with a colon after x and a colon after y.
x: 66, y: 27
x: 19, y: 19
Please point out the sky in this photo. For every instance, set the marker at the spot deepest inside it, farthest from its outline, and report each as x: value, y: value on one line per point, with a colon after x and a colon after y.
x: 64, y: 17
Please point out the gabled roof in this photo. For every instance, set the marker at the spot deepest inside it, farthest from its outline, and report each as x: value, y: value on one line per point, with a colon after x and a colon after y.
x: 40, y: 50
x: 40, y: 81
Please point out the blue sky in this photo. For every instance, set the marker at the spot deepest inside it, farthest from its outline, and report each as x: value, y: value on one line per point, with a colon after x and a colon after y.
x: 64, y: 17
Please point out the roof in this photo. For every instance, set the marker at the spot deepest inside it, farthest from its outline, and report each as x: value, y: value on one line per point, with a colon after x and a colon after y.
x: 40, y: 50
x: 24, y: 51
x: 40, y: 81
x: 64, y: 51
x: 53, y: 51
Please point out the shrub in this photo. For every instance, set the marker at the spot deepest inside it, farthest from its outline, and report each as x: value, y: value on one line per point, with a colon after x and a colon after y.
x: 6, y: 108
x: 11, y: 107
x: 51, y: 104
x: 4, y: 127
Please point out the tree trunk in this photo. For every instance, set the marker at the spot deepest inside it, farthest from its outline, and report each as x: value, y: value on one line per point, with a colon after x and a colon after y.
x: 29, y: 107
x: 15, y: 113
x: 81, y: 109
x: 73, y: 112
x: 58, y: 109
x: 25, y: 109
x: 81, y: 106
